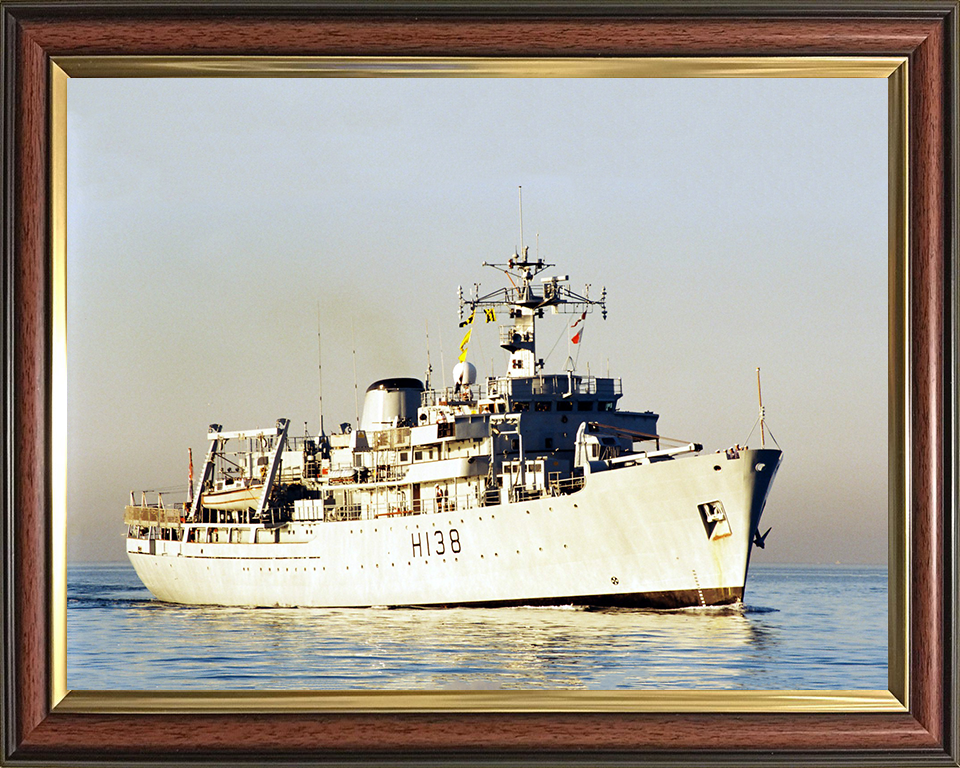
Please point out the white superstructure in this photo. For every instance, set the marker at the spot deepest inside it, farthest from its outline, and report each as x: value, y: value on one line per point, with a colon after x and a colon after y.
x: 530, y: 488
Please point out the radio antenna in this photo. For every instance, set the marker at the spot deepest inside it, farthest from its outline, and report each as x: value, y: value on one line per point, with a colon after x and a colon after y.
x: 443, y: 365
x: 760, y: 398
x: 520, y: 193
x: 356, y: 392
x: 426, y: 329
x: 319, y: 371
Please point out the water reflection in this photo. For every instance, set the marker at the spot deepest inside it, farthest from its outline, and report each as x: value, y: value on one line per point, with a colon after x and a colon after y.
x: 126, y: 639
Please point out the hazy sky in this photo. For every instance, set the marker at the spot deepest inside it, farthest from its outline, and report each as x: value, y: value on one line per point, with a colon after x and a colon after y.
x: 735, y: 224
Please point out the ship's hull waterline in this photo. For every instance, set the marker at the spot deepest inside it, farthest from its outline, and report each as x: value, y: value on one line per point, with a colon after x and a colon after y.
x: 633, y: 536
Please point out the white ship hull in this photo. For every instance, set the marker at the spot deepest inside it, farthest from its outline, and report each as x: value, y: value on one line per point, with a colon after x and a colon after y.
x: 633, y: 536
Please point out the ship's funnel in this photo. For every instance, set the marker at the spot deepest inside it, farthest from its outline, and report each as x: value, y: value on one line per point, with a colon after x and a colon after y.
x: 390, y: 403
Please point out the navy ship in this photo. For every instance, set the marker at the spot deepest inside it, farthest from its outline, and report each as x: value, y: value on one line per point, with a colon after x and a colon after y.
x: 530, y: 488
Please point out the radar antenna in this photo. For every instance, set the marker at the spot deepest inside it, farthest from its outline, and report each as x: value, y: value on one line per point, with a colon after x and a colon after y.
x: 525, y: 301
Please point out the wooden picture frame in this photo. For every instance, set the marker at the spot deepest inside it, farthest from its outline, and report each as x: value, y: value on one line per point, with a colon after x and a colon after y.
x: 917, y: 722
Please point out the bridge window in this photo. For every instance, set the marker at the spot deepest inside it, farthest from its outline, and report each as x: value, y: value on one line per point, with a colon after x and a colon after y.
x: 585, y: 405
x: 564, y: 405
x: 542, y: 405
x: 604, y: 406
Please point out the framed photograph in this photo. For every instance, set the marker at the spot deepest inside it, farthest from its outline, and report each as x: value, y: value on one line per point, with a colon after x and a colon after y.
x: 47, y: 47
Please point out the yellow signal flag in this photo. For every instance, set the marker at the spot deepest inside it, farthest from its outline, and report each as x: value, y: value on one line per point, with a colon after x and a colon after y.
x: 469, y: 320
x: 464, y: 343
x: 491, y: 315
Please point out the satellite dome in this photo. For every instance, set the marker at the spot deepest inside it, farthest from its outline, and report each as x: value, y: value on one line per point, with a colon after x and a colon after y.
x: 464, y: 374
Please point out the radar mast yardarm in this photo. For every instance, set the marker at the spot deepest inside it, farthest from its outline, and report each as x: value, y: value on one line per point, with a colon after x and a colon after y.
x: 525, y: 302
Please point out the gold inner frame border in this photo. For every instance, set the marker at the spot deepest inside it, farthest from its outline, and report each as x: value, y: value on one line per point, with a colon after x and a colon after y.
x: 893, y: 69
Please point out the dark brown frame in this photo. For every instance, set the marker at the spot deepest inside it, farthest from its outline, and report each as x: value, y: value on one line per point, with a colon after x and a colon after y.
x: 924, y: 32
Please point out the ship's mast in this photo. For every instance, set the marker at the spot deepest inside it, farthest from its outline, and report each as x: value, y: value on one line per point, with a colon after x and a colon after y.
x: 319, y: 373
x: 525, y: 301
x: 763, y: 438
x: 520, y: 196
x: 429, y: 370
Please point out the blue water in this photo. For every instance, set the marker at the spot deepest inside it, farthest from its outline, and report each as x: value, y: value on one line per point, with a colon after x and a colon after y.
x: 801, y: 627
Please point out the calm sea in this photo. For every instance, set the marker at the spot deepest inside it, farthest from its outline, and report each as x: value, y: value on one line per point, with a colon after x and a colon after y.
x: 801, y: 627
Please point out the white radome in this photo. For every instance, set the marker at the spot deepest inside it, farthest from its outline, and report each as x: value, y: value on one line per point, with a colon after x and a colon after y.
x: 464, y: 374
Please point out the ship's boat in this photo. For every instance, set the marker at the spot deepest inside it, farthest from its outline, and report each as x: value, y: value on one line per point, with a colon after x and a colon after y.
x: 233, y: 494
x: 530, y: 488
